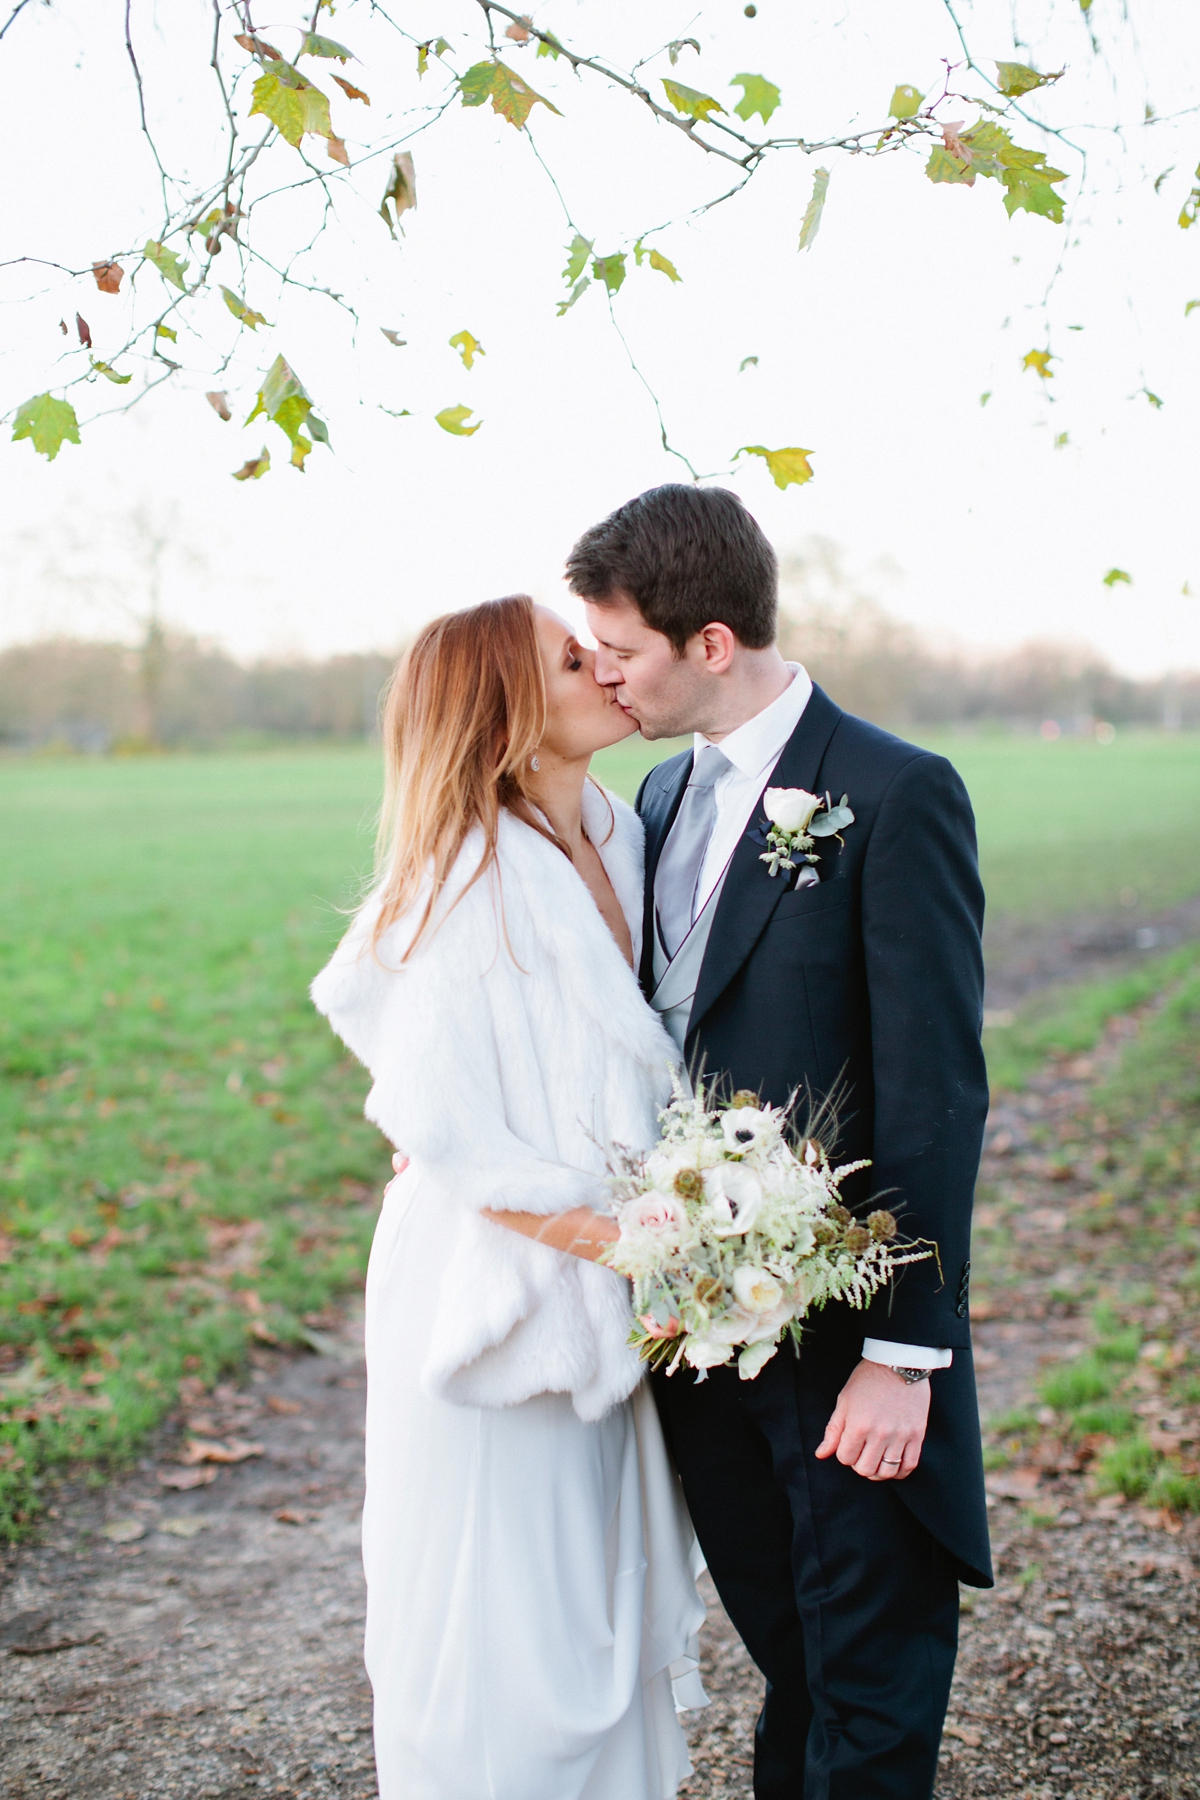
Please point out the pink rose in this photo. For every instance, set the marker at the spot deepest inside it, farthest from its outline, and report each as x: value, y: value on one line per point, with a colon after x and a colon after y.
x: 655, y: 1212
x: 671, y: 1329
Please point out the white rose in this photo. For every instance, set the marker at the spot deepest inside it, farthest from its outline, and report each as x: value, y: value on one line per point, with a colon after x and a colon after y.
x: 654, y: 1212
x: 790, y: 808
x: 757, y: 1291
x: 703, y: 1353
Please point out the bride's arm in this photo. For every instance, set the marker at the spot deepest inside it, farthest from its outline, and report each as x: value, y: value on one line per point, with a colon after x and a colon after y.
x: 581, y: 1232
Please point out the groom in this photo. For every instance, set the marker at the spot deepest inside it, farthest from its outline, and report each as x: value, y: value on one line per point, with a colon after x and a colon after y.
x: 839, y: 1496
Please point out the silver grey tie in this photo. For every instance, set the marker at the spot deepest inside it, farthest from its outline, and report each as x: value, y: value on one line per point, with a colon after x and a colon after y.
x: 678, y: 874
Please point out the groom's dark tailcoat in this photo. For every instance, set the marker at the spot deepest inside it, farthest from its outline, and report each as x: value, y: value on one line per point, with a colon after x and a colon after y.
x: 845, y: 1590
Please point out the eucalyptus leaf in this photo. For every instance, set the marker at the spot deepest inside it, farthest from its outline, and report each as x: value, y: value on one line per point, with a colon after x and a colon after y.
x: 828, y: 824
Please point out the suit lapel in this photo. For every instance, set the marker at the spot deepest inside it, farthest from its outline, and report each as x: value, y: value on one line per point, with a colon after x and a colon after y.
x: 658, y: 816
x: 750, y: 896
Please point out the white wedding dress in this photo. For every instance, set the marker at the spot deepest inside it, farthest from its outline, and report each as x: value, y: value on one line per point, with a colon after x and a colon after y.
x: 531, y: 1601
x: 531, y: 1576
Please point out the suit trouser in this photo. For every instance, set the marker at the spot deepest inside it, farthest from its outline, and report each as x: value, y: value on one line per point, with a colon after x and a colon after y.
x: 846, y: 1603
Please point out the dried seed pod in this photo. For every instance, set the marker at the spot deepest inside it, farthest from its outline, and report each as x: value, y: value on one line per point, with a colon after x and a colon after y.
x: 841, y: 1215
x: 858, y: 1238
x: 709, y: 1291
x: 882, y: 1226
x: 689, y: 1184
x: 825, y: 1232
x: 744, y: 1097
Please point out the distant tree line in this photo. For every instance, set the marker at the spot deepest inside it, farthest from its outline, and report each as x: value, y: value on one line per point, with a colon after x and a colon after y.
x: 174, y: 691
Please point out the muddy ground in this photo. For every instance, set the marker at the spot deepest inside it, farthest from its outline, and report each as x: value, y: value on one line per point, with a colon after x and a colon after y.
x: 206, y: 1640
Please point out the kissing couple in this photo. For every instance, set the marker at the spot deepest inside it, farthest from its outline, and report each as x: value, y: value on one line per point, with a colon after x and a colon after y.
x: 534, y: 959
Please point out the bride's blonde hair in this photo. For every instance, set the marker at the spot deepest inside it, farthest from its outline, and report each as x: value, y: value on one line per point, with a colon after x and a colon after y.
x: 465, y: 713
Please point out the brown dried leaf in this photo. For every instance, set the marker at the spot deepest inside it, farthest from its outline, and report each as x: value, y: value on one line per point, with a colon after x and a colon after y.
x: 521, y: 30
x: 84, y: 330
x: 393, y: 337
x: 971, y: 1739
x: 256, y: 46
x: 109, y: 276
x: 351, y: 92
x: 288, y: 1408
x: 219, y: 401
x: 183, y: 1479
x: 207, y: 1450
x: 336, y: 148
x: 1014, y: 1484
x: 288, y: 1515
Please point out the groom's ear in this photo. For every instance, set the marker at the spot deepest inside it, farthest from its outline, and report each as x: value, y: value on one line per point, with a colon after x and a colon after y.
x: 715, y: 646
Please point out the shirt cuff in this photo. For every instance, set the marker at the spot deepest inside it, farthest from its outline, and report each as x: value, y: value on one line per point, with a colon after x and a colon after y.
x: 905, y: 1356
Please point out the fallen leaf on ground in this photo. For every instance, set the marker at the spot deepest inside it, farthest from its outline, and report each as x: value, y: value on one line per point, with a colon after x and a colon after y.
x: 185, y: 1528
x: 183, y: 1479
x: 1014, y: 1484
x: 208, y: 1450
x: 123, y: 1531
x: 971, y: 1739
x: 288, y: 1515
x: 278, y: 1404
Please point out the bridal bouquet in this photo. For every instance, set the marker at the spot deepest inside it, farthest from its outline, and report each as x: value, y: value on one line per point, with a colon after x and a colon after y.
x: 730, y: 1236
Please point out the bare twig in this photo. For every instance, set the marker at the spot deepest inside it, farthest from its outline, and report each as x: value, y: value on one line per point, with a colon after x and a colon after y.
x: 18, y: 8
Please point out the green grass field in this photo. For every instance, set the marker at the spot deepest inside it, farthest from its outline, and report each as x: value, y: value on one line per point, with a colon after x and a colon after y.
x: 183, y: 1163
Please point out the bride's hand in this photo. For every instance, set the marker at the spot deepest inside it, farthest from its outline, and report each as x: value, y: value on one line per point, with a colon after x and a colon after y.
x: 580, y: 1232
x: 399, y: 1162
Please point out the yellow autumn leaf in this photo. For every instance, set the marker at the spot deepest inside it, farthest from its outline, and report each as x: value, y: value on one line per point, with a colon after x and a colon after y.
x: 454, y: 420
x: 1039, y: 361
x: 788, y: 467
x: 468, y: 347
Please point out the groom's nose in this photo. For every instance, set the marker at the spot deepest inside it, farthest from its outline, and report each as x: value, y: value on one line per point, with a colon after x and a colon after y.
x: 607, y: 670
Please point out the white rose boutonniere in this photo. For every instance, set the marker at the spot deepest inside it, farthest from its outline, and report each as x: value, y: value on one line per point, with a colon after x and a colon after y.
x: 796, y: 820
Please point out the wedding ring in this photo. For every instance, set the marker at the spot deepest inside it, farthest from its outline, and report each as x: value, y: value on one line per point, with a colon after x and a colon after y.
x: 893, y: 1459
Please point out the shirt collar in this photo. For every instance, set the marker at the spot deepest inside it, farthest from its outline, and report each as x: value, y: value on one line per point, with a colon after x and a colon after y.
x: 755, y: 746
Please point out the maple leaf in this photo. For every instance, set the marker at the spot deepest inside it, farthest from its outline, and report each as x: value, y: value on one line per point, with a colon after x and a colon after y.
x: 292, y: 104
x: 219, y: 401
x: 453, y: 419
x: 468, y: 347
x: 610, y: 270
x: 256, y: 46
x: 657, y: 260
x: 439, y: 49
x: 521, y: 30
x: 335, y: 148
x: 906, y: 101
x: 952, y: 142
x: 944, y: 166
x: 166, y: 262
x: 693, y: 105
x: 1028, y: 181
x: 548, y: 45
x: 788, y: 467
x: 256, y: 468
x: 811, y: 222
x: 564, y: 306
x: 326, y: 47
x: 1116, y: 575
x: 401, y: 190
x: 47, y: 423
x: 677, y: 46
x: 244, y: 314
x: 578, y: 251
x: 1014, y: 79
x: 166, y: 331
x: 351, y: 92
x: 108, y: 276
x: 283, y: 399
x: 84, y: 330
x: 109, y: 373
x: 1039, y: 361
x: 758, y: 96
x: 511, y: 97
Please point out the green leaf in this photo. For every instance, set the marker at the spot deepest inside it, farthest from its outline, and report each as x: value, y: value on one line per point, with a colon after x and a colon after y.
x: 401, y: 190
x: 987, y: 149
x: 166, y: 262
x: 48, y: 424
x: 1061, y: 440
x: 283, y: 399
x: 1154, y: 400
x: 1116, y: 575
x: 1028, y: 181
x: 811, y: 223
x: 656, y: 259
x: 292, y: 104
x: 1191, y: 206
x: 942, y: 166
x: 906, y: 101
x: 468, y: 347
x: 693, y: 105
x: 256, y: 468
x: 610, y: 270
x: 985, y: 397
x: 564, y: 306
x: 1190, y: 307
x: 453, y: 419
x: 1014, y: 79
x: 244, y: 314
x: 1039, y: 361
x: 578, y: 251
x: 747, y: 362
x: 110, y: 374
x: 511, y: 97
x: 323, y: 46
x: 788, y: 467
x: 167, y: 332
x: 758, y: 96
x: 549, y: 45
x: 827, y: 824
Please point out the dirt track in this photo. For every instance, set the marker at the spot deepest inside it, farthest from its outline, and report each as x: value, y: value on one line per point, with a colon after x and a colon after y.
x: 227, y: 1662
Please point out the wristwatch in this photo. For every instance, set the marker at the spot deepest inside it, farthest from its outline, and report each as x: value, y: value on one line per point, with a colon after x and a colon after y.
x: 910, y: 1377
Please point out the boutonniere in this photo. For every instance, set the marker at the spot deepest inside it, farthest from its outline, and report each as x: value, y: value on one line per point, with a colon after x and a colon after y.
x: 797, y: 819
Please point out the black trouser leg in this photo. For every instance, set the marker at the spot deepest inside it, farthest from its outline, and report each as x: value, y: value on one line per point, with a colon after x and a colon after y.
x: 829, y: 1579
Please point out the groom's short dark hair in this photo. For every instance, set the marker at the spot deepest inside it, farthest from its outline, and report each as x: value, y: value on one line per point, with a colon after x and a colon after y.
x: 689, y: 557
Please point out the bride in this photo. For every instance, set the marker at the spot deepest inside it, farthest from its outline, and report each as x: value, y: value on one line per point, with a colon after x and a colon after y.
x: 531, y: 1600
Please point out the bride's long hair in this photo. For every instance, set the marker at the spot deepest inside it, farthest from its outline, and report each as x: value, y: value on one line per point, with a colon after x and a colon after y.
x: 465, y: 713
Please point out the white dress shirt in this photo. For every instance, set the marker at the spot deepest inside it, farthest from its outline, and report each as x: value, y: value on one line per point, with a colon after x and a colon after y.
x: 753, y: 751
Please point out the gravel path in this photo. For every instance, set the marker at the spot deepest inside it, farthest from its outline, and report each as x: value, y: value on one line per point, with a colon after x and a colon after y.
x: 207, y: 1641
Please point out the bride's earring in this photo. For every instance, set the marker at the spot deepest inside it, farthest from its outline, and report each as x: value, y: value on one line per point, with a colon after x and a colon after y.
x: 534, y: 764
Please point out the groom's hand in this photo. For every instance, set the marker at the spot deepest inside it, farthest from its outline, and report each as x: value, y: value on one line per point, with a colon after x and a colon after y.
x: 878, y: 1424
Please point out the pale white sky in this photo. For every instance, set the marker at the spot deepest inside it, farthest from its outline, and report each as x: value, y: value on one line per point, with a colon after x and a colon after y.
x: 873, y: 347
